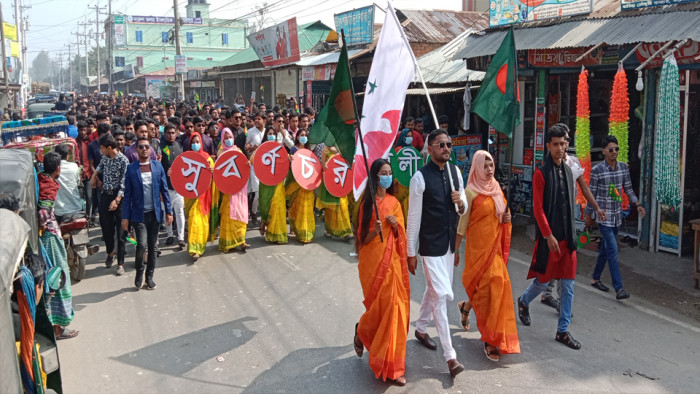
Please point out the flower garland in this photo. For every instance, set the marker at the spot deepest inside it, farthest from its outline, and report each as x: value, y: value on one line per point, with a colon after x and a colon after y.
x: 583, y: 132
x: 619, y: 117
x: 668, y: 137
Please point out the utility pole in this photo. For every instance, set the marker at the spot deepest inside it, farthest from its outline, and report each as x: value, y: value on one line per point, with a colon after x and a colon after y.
x: 110, y: 44
x: 178, y: 50
x: 60, y: 71
x: 20, y: 36
x: 70, y: 67
x: 4, y: 59
x: 98, y: 35
x: 77, y: 44
x: 25, y: 62
x: 86, y: 37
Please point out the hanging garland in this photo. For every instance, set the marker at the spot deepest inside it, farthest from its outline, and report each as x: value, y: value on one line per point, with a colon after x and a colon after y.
x: 583, y: 132
x: 668, y: 137
x: 619, y: 117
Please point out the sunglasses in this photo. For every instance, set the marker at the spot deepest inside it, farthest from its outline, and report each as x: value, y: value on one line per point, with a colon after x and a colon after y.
x: 615, y: 149
x: 237, y: 117
x: 442, y: 145
x: 144, y: 146
x: 200, y: 124
x: 280, y: 121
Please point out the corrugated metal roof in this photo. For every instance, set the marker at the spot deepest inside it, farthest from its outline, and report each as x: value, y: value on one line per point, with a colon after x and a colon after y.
x: 324, y: 58
x: 439, y: 26
x: 584, y: 33
x: 439, y: 67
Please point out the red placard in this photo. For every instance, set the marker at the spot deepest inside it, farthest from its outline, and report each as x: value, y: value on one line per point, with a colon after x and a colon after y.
x: 338, y: 177
x: 307, y: 169
x: 271, y: 163
x: 190, y: 174
x: 231, y: 171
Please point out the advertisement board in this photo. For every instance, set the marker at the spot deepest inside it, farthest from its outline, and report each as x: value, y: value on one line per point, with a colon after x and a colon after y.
x: 278, y: 44
x: 119, y: 32
x: 358, y: 25
x: 168, y: 20
x: 684, y: 55
x: 464, y: 147
x: 632, y: 4
x: 552, y: 58
x: 511, y: 12
x: 180, y: 64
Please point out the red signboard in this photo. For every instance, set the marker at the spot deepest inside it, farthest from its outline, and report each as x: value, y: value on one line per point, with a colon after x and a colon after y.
x: 307, y: 169
x: 684, y: 55
x: 191, y: 174
x: 231, y: 171
x: 338, y: 177
x: 271, y: 163
x: 563, y: 57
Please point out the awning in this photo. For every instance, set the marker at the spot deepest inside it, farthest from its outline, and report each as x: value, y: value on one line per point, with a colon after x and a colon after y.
x: 325, y: 58
x: 432, y: 91
x: 585, y: 33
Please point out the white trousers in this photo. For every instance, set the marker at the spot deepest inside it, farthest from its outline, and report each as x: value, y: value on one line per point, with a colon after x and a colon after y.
x: 178, y: 203
x: 438, y: 290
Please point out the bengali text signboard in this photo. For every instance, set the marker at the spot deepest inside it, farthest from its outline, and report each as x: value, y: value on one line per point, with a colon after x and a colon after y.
x: 357, y: 24
x: 511, y: 12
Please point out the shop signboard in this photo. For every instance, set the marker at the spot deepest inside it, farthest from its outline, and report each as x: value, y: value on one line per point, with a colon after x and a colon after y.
x: 119, y: 33
x: 632, y: 4
x: 464, y: 147
x: 180, y: 64
x: 540, y: 117
x: 512, y: 12
x: 684, y: 55
x: 153, y: 86
x: 553, y: 58
x: 309, y: 93
x: 278, y: 44
x: 358, y: 25
x: 167, y: 20
x: 521, y: 189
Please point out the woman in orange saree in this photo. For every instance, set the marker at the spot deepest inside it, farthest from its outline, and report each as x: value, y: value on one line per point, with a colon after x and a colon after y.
x: 487, y: 228
x: 383, y: 328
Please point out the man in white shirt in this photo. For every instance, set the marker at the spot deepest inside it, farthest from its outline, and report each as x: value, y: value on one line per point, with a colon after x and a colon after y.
x: 68, y: 200
x: 436, y: 201
x: 283, y: 136
x: 253, y: 141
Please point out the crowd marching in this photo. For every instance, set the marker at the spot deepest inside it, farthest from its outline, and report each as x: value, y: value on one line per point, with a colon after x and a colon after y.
x: 132, y: 154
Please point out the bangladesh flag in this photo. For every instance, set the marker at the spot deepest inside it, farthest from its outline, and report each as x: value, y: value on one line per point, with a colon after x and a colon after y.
x: 498, y: 98
x: 334, y: 125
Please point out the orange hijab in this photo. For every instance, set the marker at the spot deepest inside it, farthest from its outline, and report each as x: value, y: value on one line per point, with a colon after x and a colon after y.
x: 479, y: 182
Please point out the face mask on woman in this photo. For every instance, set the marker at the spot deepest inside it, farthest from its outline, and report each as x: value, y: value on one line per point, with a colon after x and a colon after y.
x: 303, y: 139
x: 271, y: 138
x: 196, y: 147
x: 385, y: 181
x: 228, y: 142
x: 409, y: 140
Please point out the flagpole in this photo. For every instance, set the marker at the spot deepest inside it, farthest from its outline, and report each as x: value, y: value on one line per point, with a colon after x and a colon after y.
x: 370, y: 186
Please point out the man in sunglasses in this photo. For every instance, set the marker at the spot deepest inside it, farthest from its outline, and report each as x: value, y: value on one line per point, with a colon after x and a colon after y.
x: 433, y: 211
x: 609, y: 179
x: 145, y: 185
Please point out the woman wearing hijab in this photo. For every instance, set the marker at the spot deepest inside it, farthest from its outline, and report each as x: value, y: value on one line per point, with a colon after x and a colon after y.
x: 203, y: 211
x: 233, y: 209
x: 302, y: 222
x: 273, y: 205
x: 383, y: 328
x: 487, y: 228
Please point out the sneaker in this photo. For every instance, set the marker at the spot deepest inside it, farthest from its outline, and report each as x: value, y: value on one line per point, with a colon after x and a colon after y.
x: 109, y: 261
x: 120, y: 270
x: 138, y: 282
x: 150, y: 284
x: 181, y: 244
x: 550, y: 301
x: 622, y: 294
x: 170, y: 241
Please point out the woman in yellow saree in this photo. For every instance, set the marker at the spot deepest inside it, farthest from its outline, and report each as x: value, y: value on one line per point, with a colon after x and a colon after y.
x: 302, y: 222
x: 273, y: 206
x: 487, y: 228
x: 233, y: 208
x: 335, y: 210
x: 383, y: 328
x: 201, y: 211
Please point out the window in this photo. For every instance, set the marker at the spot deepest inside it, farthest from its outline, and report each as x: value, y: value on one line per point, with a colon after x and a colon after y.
x: 190, y: 37
x: 119, y: 61
x: 164, y: 37
x: 139, y: 61
x: 198, y: 14
x: 224, y: 38
x: 139, y: 36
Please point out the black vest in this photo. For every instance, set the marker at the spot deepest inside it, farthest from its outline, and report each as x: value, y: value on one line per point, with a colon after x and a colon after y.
x: 438, y: 224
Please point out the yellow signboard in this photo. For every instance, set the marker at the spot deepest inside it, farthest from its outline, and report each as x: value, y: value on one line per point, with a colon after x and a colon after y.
x: 10, y: 31
x: 14, y: 49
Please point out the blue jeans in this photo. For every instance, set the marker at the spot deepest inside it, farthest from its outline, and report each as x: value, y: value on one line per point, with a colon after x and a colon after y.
x: 566, y: 301
x: 608, y: 252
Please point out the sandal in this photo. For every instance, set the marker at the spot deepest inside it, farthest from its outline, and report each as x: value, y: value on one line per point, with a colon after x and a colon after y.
x: 400, y: 381
x: 493, y: 354
x: 465, y: 315
x: 568, y: 340
x: 359, y: 349
x: 262, y: 228
x: 67, y: 333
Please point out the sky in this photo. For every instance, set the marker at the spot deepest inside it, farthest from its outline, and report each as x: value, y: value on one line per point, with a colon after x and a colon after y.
x: 53, y: 22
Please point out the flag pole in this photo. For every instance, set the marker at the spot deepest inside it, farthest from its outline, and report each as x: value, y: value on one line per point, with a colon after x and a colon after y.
x: 370, y: 186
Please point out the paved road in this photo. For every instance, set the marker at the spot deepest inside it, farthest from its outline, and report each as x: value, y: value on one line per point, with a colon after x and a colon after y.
x: 281, y: 319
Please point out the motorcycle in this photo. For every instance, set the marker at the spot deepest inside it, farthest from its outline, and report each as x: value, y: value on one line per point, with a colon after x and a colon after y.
x: 76, y: 235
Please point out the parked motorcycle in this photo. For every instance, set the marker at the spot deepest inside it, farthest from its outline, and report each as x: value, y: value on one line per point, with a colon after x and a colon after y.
x: 76, y: 236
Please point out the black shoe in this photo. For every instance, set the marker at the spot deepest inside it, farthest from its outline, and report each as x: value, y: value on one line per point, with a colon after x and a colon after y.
x: 524, y: 313
x: 150, y: 284
x: 622, y: 294
x: 138, y: 282
x: 600, y: 286
x: 170, y: 241
x: 426, y: 340
x: 158, y: 252
x: 181, y: 244
x: 109, y: 261
x: 550, y: 301
x: 568, y: 340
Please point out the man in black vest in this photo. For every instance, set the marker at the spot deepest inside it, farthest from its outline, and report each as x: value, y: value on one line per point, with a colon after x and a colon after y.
x: 433, y: 211
x: 554, y: 255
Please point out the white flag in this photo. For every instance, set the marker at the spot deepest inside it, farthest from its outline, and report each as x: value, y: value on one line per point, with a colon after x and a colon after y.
x: 392, y: 70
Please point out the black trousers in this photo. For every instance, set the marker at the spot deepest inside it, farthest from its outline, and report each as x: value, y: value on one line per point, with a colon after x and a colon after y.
x: 146, y: 237
x: 111, y: 224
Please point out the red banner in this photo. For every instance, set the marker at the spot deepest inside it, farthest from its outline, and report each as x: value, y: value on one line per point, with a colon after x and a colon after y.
x: 231, y: 171
x: 307, y: 169
x: 191, y: 174
x: 271, y: 163
x: 338, y: 177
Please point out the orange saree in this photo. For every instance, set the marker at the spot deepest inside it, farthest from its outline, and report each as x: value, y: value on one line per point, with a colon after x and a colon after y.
x: 383, y: 328
x: 485, y: 274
